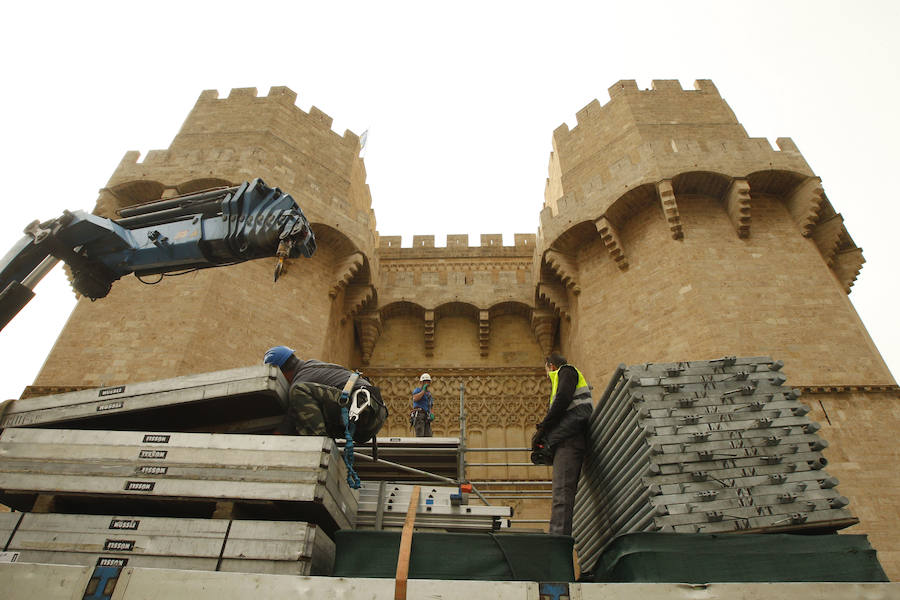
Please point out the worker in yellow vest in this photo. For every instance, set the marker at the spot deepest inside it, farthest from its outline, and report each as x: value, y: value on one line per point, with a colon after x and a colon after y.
x: 564, y: 431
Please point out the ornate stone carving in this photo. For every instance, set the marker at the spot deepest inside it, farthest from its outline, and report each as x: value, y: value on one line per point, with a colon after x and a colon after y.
x: 805, y: 202
x: 497, y: 397
x: 368, y: 328
x: 669, y: 207
x: 344, y: 271
x: 610, y: 238
x: 737, y: 205
x: 565, y: 267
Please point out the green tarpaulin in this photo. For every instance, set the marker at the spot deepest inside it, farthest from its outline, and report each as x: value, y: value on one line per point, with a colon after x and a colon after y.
x: 481, y: 556
x: 707, y: 558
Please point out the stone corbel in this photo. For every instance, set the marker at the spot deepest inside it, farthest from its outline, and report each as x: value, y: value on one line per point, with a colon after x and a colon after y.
x: 368, y: 329
x: 847, y: 265
x: 356, y: 295
x: 670, y: 208
x: 565, y: 267
x: 827, y: 236
x: 484, y: 331
x: 554, y: 294
x: 610, y: 238
x: 804, y: 204
x: 737, y: 205
x: 543, y: 324
x: 344, y: 271
x: 429, y: 333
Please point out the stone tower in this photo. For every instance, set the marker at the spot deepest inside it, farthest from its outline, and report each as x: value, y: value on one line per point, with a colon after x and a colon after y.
x: 223, y: 318
x: 667, y: 234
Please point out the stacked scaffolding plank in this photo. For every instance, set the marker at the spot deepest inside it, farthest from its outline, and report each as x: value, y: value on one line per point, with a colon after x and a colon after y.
x: 173, y: 474
x: 713, y: 446
x: 383, y: 505
x: 191, y: 473
x: 243, y: 400
x: 246, y: 546
x: 99, y: 486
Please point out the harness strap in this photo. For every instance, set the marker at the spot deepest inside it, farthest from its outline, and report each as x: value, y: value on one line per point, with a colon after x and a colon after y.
x: 349, y: 430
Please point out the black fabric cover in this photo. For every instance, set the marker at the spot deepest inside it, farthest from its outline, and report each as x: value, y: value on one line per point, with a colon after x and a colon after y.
x: 481, y: 556
x: 709, y: 558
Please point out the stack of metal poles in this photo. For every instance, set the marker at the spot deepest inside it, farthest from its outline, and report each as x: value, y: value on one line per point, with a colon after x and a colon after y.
x: 710, y: 446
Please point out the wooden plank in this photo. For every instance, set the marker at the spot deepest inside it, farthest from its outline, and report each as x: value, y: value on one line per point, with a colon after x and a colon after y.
x: 406, y: 547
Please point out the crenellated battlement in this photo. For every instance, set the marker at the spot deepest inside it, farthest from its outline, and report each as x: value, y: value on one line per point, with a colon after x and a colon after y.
x: 280, y: 96
x: 661, y: 89
x: 643, y: 137
x: 457, y: 241
x: 244, y: 136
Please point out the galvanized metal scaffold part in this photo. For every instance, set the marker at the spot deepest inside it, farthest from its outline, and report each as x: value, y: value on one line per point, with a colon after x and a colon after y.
x: 715, y: 446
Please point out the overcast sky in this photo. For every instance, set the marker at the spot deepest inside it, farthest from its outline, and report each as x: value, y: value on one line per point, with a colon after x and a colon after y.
x: 460, y: 102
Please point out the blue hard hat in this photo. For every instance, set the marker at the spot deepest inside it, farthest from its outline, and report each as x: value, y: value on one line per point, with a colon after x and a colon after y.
x: 278, y: 355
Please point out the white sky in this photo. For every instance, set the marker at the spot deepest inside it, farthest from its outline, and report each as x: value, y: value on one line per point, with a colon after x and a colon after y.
x: 460, y: 101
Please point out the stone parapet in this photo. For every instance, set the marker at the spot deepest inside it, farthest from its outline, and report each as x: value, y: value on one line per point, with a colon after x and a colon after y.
x: 643, y: 137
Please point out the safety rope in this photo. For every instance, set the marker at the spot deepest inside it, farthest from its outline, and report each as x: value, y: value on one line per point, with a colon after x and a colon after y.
x: 349, y: 430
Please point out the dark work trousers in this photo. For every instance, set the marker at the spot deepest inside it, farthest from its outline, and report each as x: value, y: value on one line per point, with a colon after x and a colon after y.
x: 421, y: 423
x: 567, y: 460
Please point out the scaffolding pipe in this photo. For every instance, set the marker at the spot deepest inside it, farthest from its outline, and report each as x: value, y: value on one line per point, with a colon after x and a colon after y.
x: 529, y: 520
x: 520, y: 497
x: 523, y: 464
x: 513, y: 482
x: 492, y: 492
x: 405, y: 468
x: 461, y: 474
x: 482, y: 498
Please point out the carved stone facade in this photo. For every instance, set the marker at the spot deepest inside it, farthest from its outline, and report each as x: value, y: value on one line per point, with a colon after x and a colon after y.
x: 667, y: 233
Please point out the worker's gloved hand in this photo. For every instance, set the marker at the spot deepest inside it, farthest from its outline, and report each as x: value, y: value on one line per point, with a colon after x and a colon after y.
x: 431, y: 416
x: 537, y: 438
x: 425, y: 388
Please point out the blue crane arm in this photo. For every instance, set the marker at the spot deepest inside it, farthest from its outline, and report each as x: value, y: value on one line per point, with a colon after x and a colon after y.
x: 196, y: 231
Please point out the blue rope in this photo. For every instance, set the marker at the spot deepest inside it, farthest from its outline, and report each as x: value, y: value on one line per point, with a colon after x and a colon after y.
x: 349, y: 430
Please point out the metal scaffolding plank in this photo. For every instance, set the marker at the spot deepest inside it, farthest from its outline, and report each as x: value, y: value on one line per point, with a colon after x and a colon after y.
x: 232, y: 400
x: 305, y: 474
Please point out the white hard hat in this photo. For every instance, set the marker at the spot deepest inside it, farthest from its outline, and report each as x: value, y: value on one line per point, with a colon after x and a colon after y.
x: 425, y: 377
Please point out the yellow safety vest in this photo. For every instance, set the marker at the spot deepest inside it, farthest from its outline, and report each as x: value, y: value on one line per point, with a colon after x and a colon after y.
x: 582, y: 393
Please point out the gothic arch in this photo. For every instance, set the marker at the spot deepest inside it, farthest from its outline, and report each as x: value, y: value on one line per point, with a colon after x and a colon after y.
x: 137, y: 192
x: 510, y: 308
x: 701, y: 183
x: 775, y: 182
x: 401, y: 308
x: 456, y: 309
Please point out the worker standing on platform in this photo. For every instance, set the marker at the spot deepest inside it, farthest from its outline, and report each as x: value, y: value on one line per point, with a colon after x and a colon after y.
x: 564, y: 431
x: 423, y: 406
